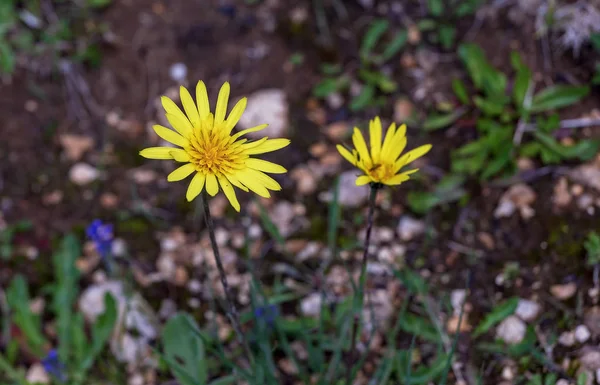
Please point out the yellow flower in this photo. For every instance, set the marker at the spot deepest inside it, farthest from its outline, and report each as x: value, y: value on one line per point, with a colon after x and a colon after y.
x: 211, y: 152
x: 383, y: 162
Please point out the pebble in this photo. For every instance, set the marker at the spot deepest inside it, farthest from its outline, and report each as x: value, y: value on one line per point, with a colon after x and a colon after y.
x: 311, y: 305
x: 91, y: 302
x: 567, y: 338
x: 337, y: 131
x: 75, y: 145
x: 511, y: 330
x: 518, y: 197
x: 527, y: 310
x: 457, y: 299
x: 403, y: 110
x: 136, y: 379
x: 409, y: 228
x: 306, y: 183
x: 269, y: 105
x: 582, y: 334
x: 564, y: 291
x: 351, y: 195
x: 83, y: 174
x: 36, y: 374
x: 178, y: 72
x: 335, y: 100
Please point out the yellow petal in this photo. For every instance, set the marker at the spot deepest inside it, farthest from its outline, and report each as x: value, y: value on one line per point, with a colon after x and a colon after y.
x: 189, y: 106
x: 235, y: 114
x: 195, y: 186
x: 221, y: 109
x: 181, y: 173
x: 157, y: 153
x: 411, y: 156
x: 394, y: 151
x: 180, y: 124
x: 387, y: 141
x: 363, y: 180
x: 229, y: 193
x: 202, y: 100
x: 346, y: 154
x: 172, y: 109
x: 396, y: 179
x: 268, y: 146
x: 247, y: 130
x: 179, y: 155
x: 212, y: 187
x: 375, y: 138
x: 236, y: 182
x: 169, y: 135
x: 361, y: 147
x: 266, y: 166
x: 264, y: 179
x: 255, y: 186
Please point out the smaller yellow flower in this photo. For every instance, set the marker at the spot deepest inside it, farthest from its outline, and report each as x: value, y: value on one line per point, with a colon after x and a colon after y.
x: 383, y: 162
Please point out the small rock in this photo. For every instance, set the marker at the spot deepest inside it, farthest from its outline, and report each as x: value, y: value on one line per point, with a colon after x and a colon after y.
x: 91, y: 302
x: 143, y: 176
x: 53, y: 198
x: 168, y: 308
x: 457, y: 299
x: 487, y: 240
x: 338, y: 130
x: 562, y: 197
x: 351, y: 195
x: 109, y: 200
x: 591, y: 319
x: 311, y: 305
x: 564, y: 291
x: 508, y: 373
x: 178, y: 72
x: 585, y: 201
x: 511, y: 330
x: 562, y: 381
x: 368, y: 4
x: 587, y: 175
x: 306, y: 183
x: 268, y: 105
x: 335, y: 100
x: 36, y: 374
x: 37, y: 305
x: 82, y: 174
x: 582, y: 334
x: 414, y: 34
x: 409, y: 228
x: 590, y: 358
x: 519, y: 196
x: 75, y: 145
x: 567, y: 339
x: 452, y: 324
x: 527, y: 310
x: 136, y: 379
x: 282, y: 216
x: 403, y: 110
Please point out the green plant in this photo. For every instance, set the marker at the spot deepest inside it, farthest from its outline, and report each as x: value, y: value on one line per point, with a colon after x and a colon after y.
x: 27, y: 32
x: 7, y: 236
x: 75, y: 350
x: 592, y: 247
x: 375, y: 50
x: 440, y: 26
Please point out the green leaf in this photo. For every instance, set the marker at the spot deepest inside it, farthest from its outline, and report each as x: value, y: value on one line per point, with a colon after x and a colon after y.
x: 101, y: 332
x: 460, y: 90
x: 420, y: 327
x: 363, y: 99
x: 423, y: 374
x: 377, y: 28
x: 268, y: 224
x: 383, y: 82
x: 7, y: 58
x: 557, y: 97
x: 595, y: 40
x: 29, y: 323
x: 499, y: 162
x: 397, y: 43
x: 99, y: 3
x: 497, y: 315
x: 435, y: 122
x: 65, y: 292
x: 489, y: 107
x: 447, y: 34
x: 325, y: 87
x: 584, y: 150
x: 184, y: 350
x: 436, y: 7
x: 412, y: 281
x: 523, y: 81
x: 474, y: 59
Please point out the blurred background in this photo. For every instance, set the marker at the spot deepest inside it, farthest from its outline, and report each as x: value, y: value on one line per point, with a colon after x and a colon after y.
x: 497, y: 230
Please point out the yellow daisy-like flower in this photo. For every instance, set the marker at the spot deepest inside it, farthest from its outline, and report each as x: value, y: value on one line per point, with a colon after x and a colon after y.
x: 383, y: 162
x: 211, y: 152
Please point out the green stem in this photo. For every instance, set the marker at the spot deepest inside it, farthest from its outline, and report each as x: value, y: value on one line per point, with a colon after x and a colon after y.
x: 232, y: 313
x: 359, y: 294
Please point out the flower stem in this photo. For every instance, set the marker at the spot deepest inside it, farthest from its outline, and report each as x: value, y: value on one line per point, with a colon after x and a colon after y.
x: 232, y: 313
x: 359, y: 294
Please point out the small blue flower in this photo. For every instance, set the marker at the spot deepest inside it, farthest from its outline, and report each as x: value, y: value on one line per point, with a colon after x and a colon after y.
x: 102, y: 235
x: 267, y: 313
x: 53, y: 365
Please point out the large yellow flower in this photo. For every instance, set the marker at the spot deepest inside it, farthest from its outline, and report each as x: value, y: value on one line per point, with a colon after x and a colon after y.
x: 211, y: 152
x: 383, y: 162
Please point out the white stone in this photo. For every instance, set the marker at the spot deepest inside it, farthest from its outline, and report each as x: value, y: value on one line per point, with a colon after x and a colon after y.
x: 527, y: 310
x: 36, y: 374
x: 136, y: 379
x: 567, y: 339
x: 168, y: 244
x: 91, y: 302
x: 582, y: 333
x: 178, y: 72
x: 409, y: 228
x: 269, y: 105
x: 311, y: 305
x: 511, y: 330
x: 351, y: 195
x: 457, y: 299
x: 82, y: 174
x: 119, y: 247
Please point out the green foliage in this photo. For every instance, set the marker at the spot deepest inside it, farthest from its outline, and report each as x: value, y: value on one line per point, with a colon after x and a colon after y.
x: 75, y: 349
x: 497, y: 315
x: 592, y: 247
x: 26, y: 32
x: 378, y: 46
x: 440, y: 25
x: 7, y: 235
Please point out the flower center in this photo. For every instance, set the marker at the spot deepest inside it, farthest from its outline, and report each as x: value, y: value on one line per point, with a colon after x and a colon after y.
x: 213, y: 152
x: 381, y: 171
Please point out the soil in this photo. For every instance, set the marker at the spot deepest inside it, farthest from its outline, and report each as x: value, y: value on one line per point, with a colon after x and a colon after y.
x: 215, y: 42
